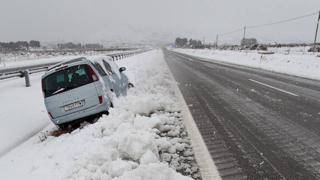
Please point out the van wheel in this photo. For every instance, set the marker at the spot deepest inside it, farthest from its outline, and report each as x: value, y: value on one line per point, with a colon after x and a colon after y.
x: 130, y: 85
x: 64, y: 127
x: 111, y: 104
x: 93, y: 119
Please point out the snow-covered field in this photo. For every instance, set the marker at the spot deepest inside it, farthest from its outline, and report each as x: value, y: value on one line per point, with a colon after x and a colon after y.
x: 302, y: 50
x: 143, y: 138
x: 298, y: 62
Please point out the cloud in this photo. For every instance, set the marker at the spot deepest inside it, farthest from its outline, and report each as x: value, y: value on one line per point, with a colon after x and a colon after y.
x: 142, y: 20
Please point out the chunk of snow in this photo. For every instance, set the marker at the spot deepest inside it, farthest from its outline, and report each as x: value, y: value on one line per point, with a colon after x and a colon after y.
x: 118, y: 167
x: 134, y: 145
x: 142, y: 122
x: 148, y: 157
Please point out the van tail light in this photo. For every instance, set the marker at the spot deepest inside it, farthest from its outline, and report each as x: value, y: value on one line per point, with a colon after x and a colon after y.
x: 100, y: 99
x: 50, y: 115
x: 92, y: 73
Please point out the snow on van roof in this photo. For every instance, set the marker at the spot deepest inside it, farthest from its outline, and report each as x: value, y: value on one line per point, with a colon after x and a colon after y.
x: 67, y: 62
x: 76, y: 60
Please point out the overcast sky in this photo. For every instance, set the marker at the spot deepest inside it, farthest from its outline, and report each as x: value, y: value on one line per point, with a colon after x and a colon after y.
x: 144, y: 20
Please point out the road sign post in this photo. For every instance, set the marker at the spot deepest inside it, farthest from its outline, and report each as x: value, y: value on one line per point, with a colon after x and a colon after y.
x: 27, y: 78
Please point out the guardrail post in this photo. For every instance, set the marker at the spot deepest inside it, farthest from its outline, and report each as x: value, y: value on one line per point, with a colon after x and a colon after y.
x: 26, y: 77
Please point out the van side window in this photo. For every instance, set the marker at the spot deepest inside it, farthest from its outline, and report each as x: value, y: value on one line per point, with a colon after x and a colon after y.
x: 108, y: 67
x: 100, y: 69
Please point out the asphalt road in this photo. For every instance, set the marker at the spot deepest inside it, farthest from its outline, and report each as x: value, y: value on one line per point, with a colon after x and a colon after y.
x: 256, y: 124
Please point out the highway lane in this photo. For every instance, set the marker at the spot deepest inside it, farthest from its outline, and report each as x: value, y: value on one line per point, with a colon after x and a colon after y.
x: 256, y: 124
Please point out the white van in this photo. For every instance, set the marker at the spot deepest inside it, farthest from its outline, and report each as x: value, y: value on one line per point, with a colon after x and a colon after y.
x: 73, y: 90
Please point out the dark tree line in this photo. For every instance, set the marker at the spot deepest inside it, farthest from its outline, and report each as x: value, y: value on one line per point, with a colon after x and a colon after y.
x: 34, y: 44
x: 19, y: 45
x: 71, y: 45
x: 181, y: 42
x: 191, y: 43
x: 195, y: 44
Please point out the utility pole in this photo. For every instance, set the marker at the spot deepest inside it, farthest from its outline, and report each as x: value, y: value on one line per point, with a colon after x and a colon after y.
x: 244, y: 32
x: 315, y: 38
x: 217, y: 38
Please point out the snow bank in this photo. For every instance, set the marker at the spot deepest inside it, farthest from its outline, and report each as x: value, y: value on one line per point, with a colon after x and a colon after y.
x: 141, y: 133
x: 298, y: 62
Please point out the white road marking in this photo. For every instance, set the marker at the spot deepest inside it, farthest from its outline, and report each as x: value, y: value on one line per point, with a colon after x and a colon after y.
x: 267, y: 85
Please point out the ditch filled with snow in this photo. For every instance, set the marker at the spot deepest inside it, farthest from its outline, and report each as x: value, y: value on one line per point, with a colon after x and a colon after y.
x: 143, y: 137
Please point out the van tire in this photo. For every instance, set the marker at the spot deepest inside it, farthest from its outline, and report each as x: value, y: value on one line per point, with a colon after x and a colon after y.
x: 64, y: 127
x: 111, y: 104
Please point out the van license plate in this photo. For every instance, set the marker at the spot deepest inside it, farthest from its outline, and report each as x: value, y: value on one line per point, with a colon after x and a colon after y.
x: 74, y: 105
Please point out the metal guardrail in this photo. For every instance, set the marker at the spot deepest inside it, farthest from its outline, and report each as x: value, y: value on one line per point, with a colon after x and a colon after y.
x: 18, y: 71
x: 24, y: 71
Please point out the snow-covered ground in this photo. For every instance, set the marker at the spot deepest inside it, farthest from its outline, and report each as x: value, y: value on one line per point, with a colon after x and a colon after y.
x: 143, y: 137
x: 298, y: 62
x: 22, y: 112
x: 302, y: 50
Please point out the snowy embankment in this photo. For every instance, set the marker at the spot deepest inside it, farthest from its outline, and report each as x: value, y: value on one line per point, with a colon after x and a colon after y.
x: 143, y: 137
x: 294, y: 62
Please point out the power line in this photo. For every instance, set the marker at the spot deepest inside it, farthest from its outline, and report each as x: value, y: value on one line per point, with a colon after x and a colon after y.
x: 282, y: 21
x: 231, y: 32
x: 269, y: 24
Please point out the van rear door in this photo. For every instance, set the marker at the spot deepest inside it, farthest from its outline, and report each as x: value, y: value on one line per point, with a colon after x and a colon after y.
x: 70, y: 89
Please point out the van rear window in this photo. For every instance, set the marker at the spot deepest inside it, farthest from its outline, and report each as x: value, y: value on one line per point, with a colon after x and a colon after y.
x: 66, y: 79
